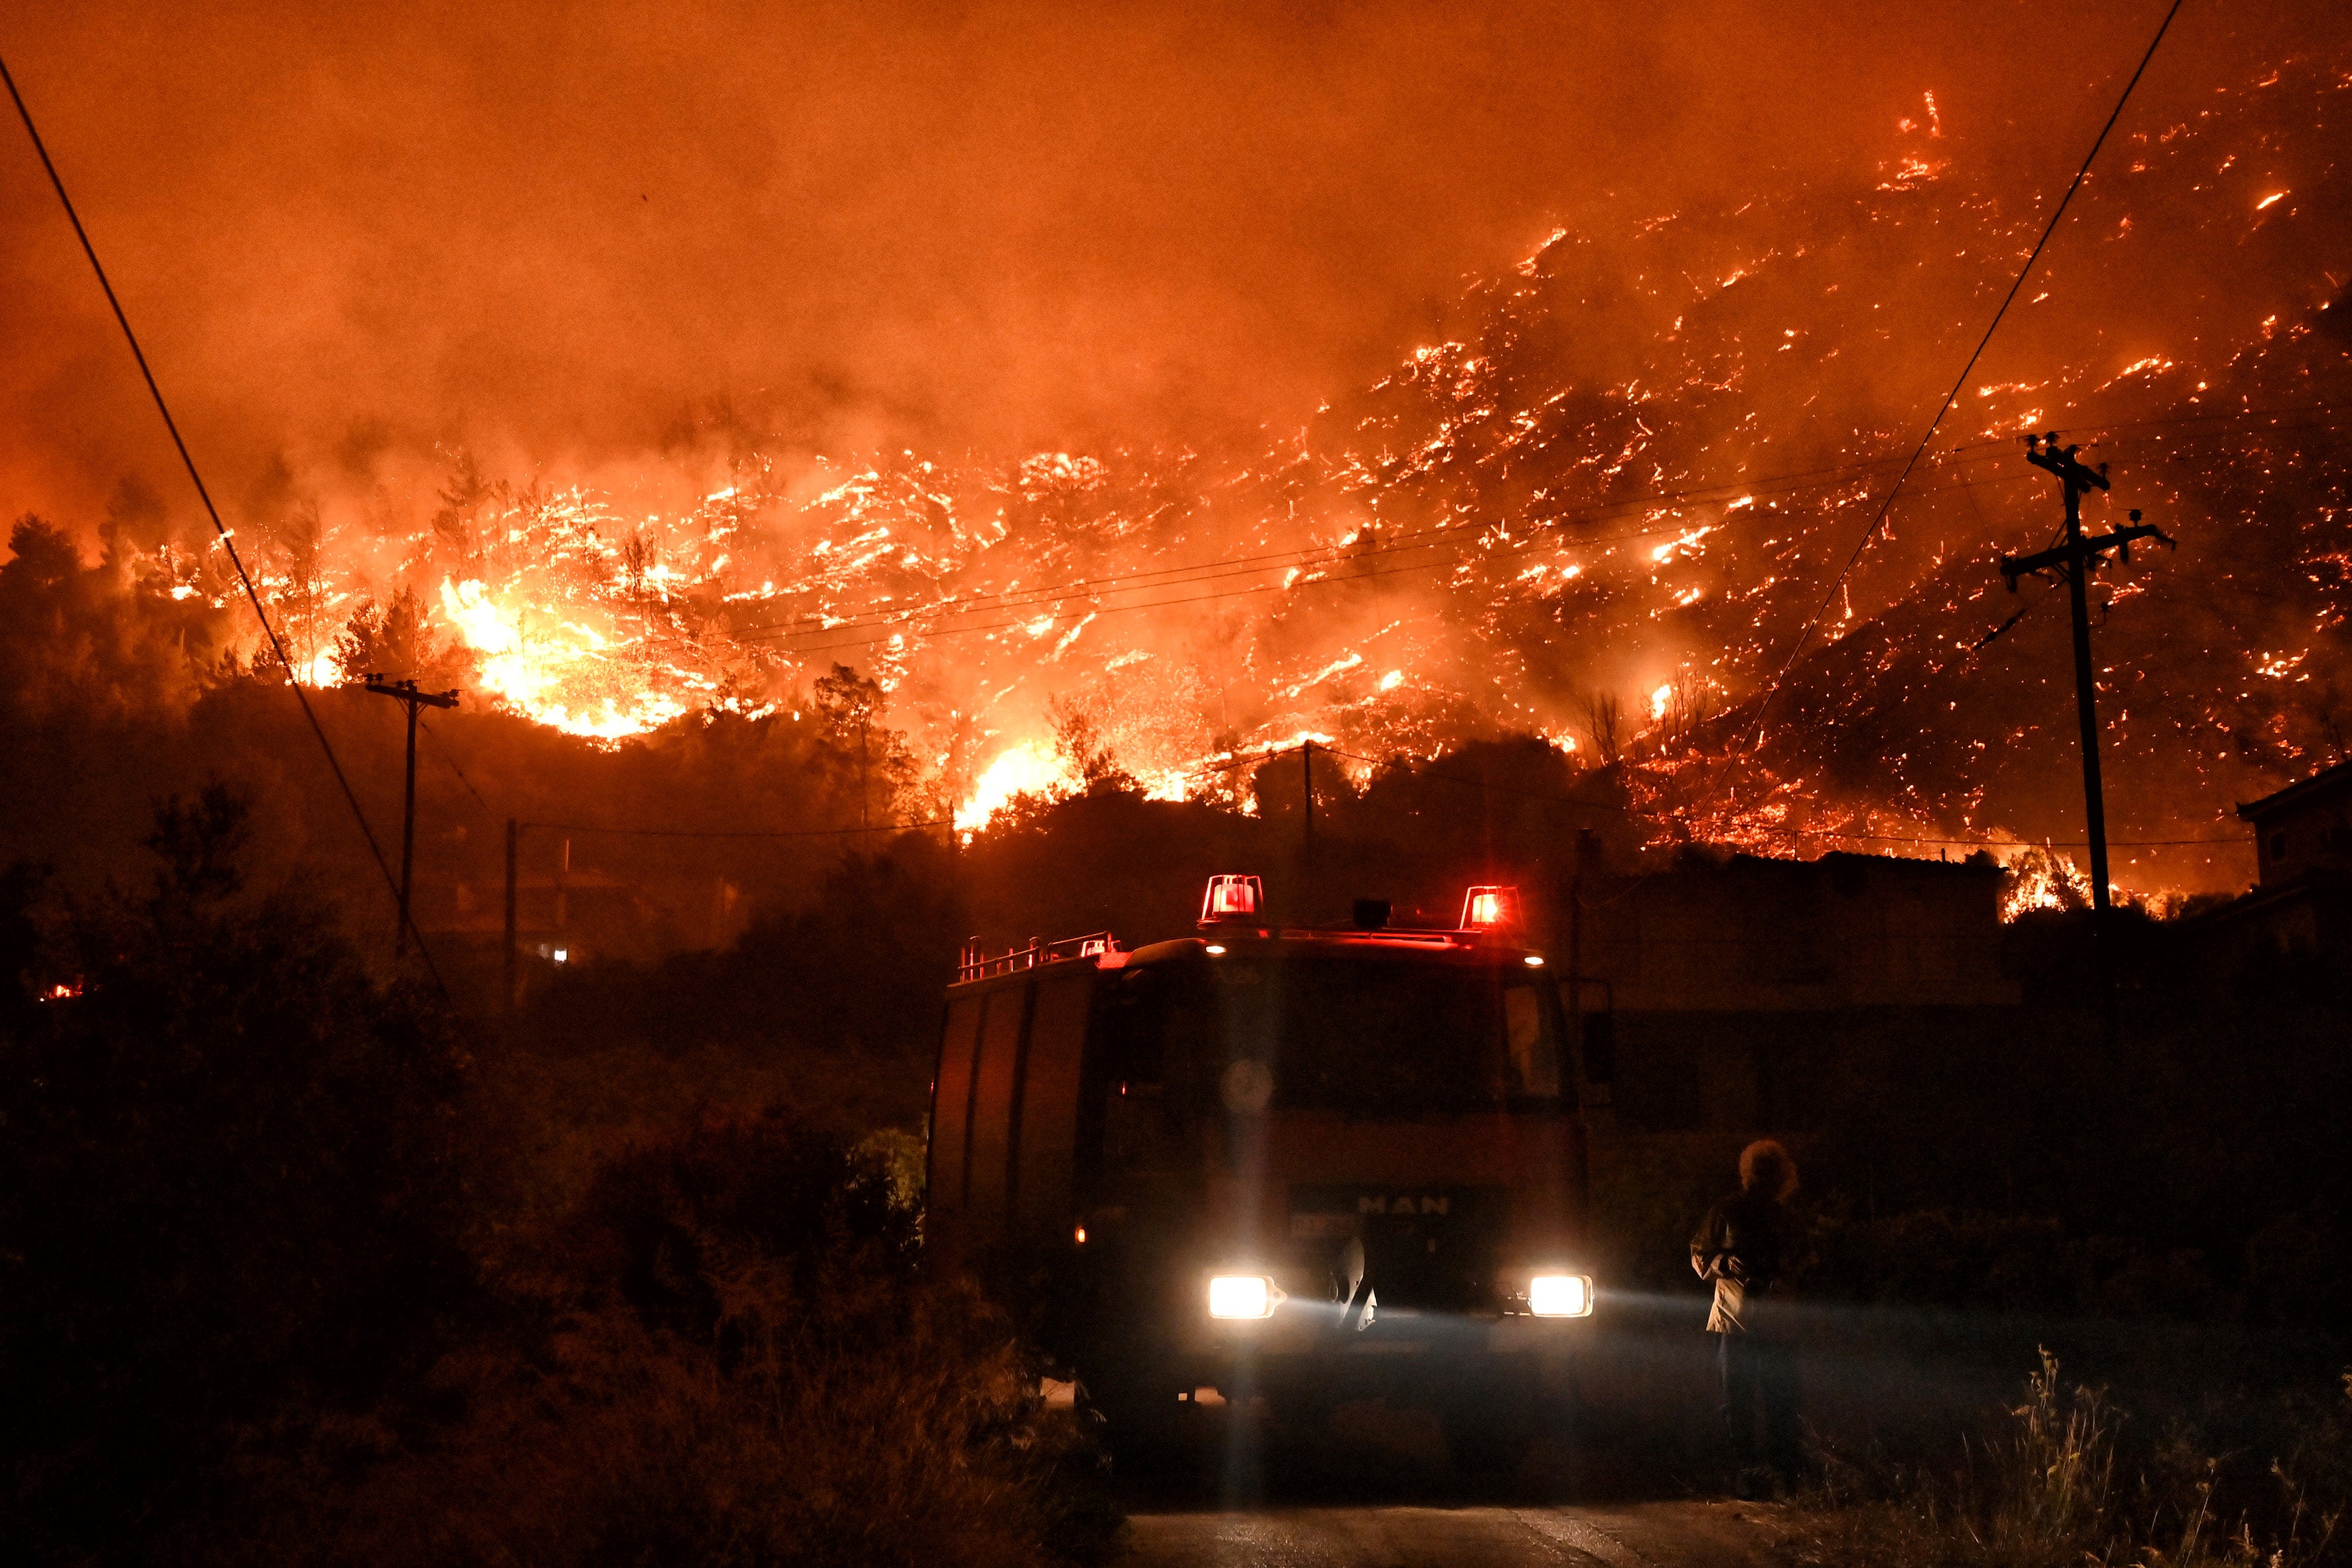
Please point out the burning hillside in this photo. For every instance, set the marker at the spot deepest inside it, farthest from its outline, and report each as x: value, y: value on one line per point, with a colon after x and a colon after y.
x: 1600, y: 505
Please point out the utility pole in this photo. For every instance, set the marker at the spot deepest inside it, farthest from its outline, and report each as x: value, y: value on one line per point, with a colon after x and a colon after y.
x: 514, y: 836
x: 2074, y: 561
x: 1576, y: 946
x: 1307, y: 840
x: 864, y: 792
x: 406, y: 693
x: 1307, y: 774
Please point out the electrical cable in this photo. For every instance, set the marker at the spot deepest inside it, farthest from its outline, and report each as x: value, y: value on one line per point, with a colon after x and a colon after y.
x: 1204, y: 572
x: 1597, y: 510
x: 1805, y: 635
x: 451, y: 761
x: 253, y: 594
x: 1209, y: 571
x: 1200, y: 571
x: 1519, y: 549
x: 735, y: 832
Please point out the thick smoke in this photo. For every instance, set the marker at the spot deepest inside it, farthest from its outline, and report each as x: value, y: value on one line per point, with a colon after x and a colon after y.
x: 1049, y: 298
x: 353, y: 233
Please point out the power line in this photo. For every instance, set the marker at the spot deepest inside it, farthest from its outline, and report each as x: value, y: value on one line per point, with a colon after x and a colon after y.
x: 736, y: 833
x: 442, y: 747
x: 2023, y: 272
x: 1352, y: 577
x: 220, y: 529
x: 1203, y: 572
x: 1421, y: 540
x: 1251, y: 565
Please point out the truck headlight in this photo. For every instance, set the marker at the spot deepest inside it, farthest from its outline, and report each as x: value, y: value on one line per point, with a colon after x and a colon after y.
x: 1241, y: 1296
x: 1561, y: 1296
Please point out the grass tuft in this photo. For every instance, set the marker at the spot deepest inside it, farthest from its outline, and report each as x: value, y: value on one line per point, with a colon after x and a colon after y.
x: 2055, y: 1485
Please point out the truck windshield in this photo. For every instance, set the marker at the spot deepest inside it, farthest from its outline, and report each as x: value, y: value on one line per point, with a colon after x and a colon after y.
x: 1366, y: 1035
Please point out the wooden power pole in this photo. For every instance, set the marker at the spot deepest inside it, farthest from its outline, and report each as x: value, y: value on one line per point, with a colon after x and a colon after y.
x: 406, y: 693
x: 2074, y: 561
x: 1307, y: 777
x: 514, y: 838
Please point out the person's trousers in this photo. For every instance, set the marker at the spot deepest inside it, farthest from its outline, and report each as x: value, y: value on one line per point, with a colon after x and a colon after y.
x: 1759, y: 1400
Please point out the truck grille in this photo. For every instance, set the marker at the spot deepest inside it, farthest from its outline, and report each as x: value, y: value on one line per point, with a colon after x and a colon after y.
x: 1430, y: 1248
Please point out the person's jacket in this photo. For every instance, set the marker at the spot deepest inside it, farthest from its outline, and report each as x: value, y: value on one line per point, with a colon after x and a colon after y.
x: 1749, y: 1246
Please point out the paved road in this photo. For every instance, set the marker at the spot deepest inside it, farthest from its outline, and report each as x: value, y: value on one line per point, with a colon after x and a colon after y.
x: 1642, y: 1535
x: 1376, y: 1490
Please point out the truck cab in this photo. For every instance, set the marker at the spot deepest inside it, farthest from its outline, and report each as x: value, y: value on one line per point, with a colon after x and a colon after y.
x: 1308, y: 1163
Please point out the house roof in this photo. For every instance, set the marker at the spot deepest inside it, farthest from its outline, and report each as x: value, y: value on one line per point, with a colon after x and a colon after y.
x: 2327, y: 780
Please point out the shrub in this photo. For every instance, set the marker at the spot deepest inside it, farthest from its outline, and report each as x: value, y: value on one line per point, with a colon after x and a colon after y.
x: 230, y: 1188
x: 733, y: 1356
x: 2053, y: 1486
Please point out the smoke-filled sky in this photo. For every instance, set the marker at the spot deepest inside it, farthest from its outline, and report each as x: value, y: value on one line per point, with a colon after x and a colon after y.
x: 352, y: 230
x: 1395, y: 374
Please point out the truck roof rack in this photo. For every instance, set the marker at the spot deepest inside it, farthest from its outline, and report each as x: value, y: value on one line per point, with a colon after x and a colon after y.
x: 974, y: 963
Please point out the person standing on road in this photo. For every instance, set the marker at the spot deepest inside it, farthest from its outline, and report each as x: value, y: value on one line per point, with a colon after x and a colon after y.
x: 1750, y: 1248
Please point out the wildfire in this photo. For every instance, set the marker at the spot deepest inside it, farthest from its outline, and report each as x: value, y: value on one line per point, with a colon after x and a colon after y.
x: 2042, y: 878
x: 562, y: 673
x: 1025, y: 769
x: 1497, y: 533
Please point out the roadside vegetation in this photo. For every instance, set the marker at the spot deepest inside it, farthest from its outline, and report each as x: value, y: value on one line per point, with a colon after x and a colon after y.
x: 2065, y: 1478
x: 295, y: 1269
x: 297, y: 1265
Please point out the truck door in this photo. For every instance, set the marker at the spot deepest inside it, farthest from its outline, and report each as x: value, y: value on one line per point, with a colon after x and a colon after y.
x: 952, y: 1120
x: 1047, y: 1129
x: 988, y: 1153
x: 1004, y: 1113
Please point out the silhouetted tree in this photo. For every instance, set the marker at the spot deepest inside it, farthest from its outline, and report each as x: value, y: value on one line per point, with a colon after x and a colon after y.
x: 872, y: 761
x: 1079, y: 740
x: 1605, y: 722
x: 229, y: 1194
x: 396, y: 641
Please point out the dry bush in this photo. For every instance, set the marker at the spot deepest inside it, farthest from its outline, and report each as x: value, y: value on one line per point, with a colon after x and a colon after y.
x: 1604, y: 724
x: 1692, y: 699
x: 623, y: 1443
x: 2053, y: 1488
x: 731, y: 1354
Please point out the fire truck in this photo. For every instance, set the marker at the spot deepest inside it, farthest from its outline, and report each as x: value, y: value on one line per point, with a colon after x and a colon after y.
x: 1307, y: 1164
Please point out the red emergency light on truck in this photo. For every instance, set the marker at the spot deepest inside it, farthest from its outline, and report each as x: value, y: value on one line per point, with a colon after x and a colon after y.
x: 1314, y: 1163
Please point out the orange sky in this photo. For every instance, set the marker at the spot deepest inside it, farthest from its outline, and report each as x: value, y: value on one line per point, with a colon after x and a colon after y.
x: 353, y: 229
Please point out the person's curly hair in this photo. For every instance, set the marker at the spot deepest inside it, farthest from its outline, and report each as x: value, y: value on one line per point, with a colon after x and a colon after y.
x: 1765, y: 1166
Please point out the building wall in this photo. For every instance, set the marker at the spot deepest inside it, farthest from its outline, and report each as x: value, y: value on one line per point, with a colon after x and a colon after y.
x: 2311, y: 831
x: 1753, y: 994
x: 1757, y: 935
x: 1780, y: 1071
